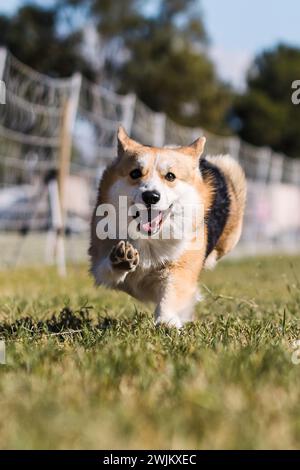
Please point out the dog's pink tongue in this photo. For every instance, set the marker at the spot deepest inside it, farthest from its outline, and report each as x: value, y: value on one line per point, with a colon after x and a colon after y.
x: 153, y: 225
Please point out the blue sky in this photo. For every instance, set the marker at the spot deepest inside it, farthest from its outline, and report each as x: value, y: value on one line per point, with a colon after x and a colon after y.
x: 238, y: 29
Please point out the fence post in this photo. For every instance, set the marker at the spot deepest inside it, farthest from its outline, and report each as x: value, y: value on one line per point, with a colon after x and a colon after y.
x: 129, y: 108
x: 159, y: 129
x: 3, y: 57
x: 54, y: 247
x: 234, y: 147
x: 296, y: 172
x: 264, y: 161
x: 276, y: 168
x: 68, y: 121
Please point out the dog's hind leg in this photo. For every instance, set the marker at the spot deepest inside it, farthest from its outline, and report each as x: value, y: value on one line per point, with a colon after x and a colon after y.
x: 179, y: 295
x: 170, y: 314
x: 211, y: 260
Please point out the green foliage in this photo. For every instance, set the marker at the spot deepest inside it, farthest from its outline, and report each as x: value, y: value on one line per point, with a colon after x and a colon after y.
x: 32, y: 36
x: 87, y: 368
x: 267, y: 113
x: 169, y: 75
x: 167, y: 65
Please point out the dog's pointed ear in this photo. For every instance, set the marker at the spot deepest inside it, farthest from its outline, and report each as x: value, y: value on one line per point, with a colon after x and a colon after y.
x: 197, y: 147
x: 125, y: 143
x: 123, y: 139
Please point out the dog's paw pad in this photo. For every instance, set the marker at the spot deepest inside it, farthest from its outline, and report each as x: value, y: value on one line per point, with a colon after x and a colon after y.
x: 124, y: 256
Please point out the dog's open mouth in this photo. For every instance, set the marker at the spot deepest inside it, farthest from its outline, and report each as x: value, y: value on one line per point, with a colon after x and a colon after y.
x: 151, y: 220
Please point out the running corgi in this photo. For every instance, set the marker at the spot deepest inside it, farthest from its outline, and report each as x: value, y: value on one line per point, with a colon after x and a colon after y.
x: 154, y: 259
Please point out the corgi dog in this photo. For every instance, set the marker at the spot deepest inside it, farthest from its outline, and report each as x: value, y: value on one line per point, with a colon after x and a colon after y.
x: 151, y: 259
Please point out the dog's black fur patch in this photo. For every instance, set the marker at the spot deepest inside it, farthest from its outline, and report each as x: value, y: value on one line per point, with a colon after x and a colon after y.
x: 217, y: 215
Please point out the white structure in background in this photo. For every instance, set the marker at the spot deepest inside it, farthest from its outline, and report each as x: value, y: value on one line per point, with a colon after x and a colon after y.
x: 69, y: 126
x: 2, y: 92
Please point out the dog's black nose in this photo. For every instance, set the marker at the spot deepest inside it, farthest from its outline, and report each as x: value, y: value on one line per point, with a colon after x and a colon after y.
x: 150, y: 197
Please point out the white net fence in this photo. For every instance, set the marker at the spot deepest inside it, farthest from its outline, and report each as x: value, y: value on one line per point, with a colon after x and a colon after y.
x: 43, y: 119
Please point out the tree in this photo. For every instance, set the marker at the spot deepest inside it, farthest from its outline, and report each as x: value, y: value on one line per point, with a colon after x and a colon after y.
x: 266, y: 112
x: 32, y: 36
x: 177, y: 80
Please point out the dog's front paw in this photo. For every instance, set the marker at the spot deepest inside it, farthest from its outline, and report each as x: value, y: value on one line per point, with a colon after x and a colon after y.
x: 170, y: 322
x: 124, y: 256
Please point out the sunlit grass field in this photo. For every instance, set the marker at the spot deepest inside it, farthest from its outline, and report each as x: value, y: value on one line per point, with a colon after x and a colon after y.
x: 87, y: 368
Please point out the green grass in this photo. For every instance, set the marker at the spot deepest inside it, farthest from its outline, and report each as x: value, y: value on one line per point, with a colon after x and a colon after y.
x: 86, y: 368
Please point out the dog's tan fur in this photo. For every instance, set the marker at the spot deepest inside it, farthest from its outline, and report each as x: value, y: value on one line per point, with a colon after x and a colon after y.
x: 169, y: 279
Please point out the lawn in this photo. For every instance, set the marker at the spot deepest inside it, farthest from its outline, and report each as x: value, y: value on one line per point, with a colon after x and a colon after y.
x: 87, y: 368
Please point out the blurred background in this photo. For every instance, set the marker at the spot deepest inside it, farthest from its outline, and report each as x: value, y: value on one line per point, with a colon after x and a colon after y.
x: 169, y: 71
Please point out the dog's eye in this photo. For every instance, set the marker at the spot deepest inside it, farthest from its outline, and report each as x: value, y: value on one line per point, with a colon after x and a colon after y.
x: 170, y: 176
x: 135, y: 174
